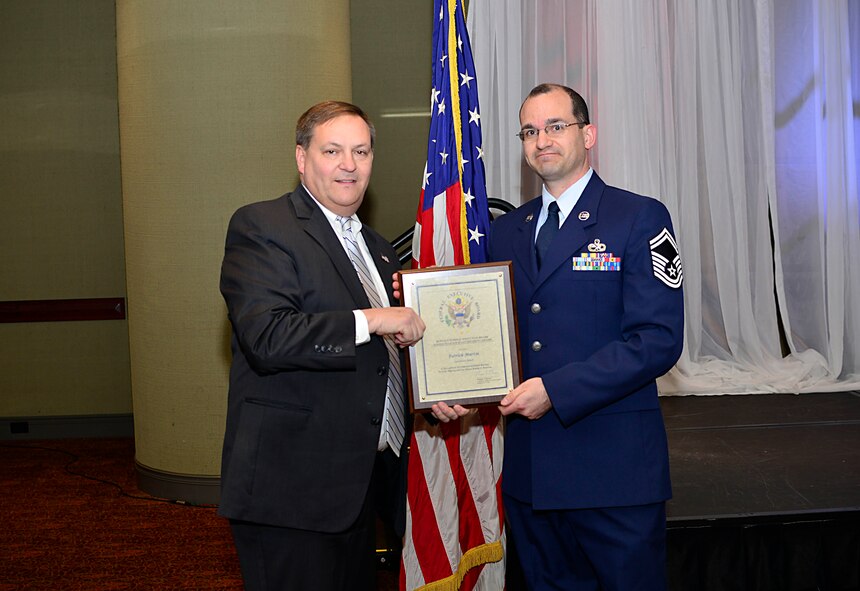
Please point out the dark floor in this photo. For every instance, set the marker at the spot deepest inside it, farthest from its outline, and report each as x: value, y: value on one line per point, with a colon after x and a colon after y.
x: 763, y: 455
x: 767, y: 497
x: 766, y: 492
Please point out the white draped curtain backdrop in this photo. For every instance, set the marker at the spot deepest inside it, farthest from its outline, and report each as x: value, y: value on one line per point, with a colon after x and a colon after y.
x: 743, y: 117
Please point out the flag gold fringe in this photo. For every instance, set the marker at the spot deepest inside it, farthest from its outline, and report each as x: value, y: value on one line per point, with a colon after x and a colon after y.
x: 483, y: 554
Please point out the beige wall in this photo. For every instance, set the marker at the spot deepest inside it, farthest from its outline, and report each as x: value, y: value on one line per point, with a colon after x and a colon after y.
x: 391, y: 81
x: 186, y: 169
x: 209, y: 94
x: 60, y: 207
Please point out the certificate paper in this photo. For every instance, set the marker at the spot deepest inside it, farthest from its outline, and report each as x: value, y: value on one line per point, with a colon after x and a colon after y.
x: 469, y: 354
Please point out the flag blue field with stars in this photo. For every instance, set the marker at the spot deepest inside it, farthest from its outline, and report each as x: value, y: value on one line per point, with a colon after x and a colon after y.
x: 453, y: 214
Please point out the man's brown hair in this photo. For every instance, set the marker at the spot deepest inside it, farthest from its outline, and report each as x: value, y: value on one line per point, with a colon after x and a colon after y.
x: 578, y: 108
x: 324, y: 112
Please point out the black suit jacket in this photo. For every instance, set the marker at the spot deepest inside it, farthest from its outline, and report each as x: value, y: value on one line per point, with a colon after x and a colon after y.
x: 305, y: 404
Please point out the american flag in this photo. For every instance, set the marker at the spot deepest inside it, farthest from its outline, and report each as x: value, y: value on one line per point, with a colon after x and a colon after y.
x: 455, y: 536
x: 453, y: 215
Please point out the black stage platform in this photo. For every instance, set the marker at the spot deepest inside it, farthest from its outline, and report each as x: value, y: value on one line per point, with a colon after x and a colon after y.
x: 766, y: 491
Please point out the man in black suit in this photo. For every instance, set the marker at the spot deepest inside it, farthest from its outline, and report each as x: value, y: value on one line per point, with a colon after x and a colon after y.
x: 316, y: 422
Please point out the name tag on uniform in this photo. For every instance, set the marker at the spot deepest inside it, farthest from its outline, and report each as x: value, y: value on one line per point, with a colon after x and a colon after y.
x: 596, y: 261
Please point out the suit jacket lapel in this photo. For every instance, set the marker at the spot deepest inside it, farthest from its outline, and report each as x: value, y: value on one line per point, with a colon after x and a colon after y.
x: 524, y: 251
x: 574, y: 233
x: 317, y: 226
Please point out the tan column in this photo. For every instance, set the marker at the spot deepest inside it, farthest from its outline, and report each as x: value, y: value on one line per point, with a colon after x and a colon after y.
x: 209, y: 92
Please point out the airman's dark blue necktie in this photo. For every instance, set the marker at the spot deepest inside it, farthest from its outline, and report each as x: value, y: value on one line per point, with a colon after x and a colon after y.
x: 547, y: 232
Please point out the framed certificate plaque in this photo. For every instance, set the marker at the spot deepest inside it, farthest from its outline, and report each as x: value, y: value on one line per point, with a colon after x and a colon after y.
x: 470, y: 351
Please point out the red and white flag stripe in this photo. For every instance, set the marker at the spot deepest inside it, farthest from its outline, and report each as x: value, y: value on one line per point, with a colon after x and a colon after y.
x: 460, y: 541
x: 455, y: 536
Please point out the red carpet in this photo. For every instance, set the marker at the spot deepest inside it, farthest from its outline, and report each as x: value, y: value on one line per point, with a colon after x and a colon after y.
x: 69, y: 522
x: 62, y: 531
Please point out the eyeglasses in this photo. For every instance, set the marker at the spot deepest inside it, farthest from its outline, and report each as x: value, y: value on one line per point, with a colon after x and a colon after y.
x: 554, y: 129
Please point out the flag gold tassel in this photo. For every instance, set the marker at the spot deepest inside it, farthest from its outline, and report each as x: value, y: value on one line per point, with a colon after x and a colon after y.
x: 483, y: 554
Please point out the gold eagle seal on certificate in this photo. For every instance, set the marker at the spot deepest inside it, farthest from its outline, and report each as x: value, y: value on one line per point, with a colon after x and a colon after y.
x: 459, y: 310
